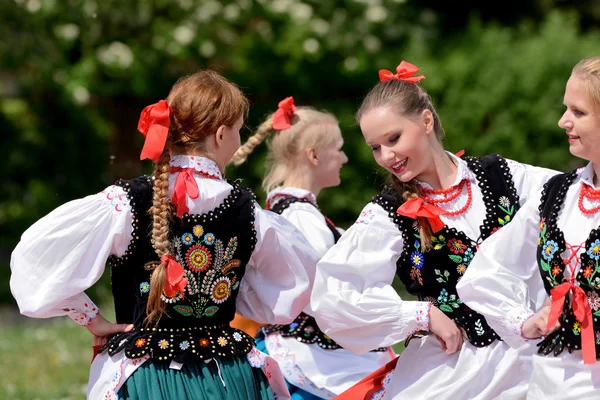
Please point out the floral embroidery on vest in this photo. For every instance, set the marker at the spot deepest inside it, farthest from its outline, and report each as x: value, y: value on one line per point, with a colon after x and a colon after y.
x: 432, y: 276
x: 552, y: 265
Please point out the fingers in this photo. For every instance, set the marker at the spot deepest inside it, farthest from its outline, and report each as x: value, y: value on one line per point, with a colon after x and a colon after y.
x: 454, y: 342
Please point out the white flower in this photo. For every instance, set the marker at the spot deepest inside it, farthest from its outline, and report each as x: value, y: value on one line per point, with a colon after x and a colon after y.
x: 504, y: 201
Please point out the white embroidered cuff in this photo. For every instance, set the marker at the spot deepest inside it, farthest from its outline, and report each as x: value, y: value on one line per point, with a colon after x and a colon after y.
x: 515, y: 320
x: 83, y: 314
x: 422, y: 316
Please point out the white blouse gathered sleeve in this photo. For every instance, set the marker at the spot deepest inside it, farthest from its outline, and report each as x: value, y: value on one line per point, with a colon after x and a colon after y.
x: 65, y: 253
x: 353, y: 300
x: 311, y: 223
x: 529, y: 180
x: 502, y: 281
x: 280, y: 274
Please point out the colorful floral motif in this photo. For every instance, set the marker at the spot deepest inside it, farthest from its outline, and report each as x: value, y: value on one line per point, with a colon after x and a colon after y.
x: 198, y: 230
x: 187, y: 239
x: 594, y: 250
x: 144, y: 287
x: 198, y: 258
x: 448, y: 302
x: 549, y: 249
x: 507, y: 208
x: 163, y: 344
x: 456, y: 246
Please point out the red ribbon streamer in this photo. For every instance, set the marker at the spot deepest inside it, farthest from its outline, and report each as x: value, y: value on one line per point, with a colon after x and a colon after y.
x: 154, y: 125
x: 417, y: 208
x: 583, y: 314
x: 176, y: 280
x: 404, y: 72
x: 185, y: 185
x: 282, y: 119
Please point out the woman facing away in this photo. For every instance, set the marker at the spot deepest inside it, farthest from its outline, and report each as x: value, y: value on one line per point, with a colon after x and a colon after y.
x: 306, y: 156
x: 187, y: 249
x: 425, y: 227
x: 550, y: 288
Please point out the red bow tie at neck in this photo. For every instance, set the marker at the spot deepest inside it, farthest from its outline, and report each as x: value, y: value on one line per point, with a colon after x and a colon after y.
x: 176, y: 280
x: 185, y: 185
x: 404, y: 72
x: 154, y: 125
x: 583, y: 314
x: 417, y: 208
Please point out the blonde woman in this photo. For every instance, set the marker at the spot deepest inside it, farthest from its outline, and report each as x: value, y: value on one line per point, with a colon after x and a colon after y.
x: 549, y: 290
x: 306, y: 156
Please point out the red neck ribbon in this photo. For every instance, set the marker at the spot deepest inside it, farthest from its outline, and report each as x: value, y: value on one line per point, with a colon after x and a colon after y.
x: 417, y: 208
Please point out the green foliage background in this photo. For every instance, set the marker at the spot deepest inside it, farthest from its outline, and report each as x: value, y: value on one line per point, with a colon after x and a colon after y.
x: 75, y: 74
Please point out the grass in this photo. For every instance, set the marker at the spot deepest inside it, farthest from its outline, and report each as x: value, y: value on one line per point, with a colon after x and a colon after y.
x: 44, y: 360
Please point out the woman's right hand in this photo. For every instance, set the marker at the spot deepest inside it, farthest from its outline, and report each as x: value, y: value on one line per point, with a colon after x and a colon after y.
x: 535, y: 326
x: 447, y: 332
x: 101, y: 328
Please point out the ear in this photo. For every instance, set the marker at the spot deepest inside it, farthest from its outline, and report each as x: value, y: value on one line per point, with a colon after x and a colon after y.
x: 220, y: 135
x: 427, y: 117
x: 311, y: 155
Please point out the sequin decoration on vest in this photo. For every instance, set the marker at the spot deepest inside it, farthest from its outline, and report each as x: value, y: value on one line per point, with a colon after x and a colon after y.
x: 213, y: 249
x: 432, y: 275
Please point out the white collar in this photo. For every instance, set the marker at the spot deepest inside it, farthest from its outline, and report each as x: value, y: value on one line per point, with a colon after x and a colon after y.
x: 463, y: 172
x: 197, y: 163
x: 586, y: 175
x: 291, y: 191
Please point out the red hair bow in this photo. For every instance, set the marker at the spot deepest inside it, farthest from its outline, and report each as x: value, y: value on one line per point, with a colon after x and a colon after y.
x: 416, y: 208
x: 176, y: 280
x: 404, y: 72
x: 282, y: 119
x: 154, y: 125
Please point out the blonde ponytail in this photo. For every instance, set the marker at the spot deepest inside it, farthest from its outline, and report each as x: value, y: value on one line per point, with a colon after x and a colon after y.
x: 263, y: 131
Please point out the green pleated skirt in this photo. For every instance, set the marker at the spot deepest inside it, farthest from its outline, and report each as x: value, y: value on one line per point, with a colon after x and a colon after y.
x: 232, y: 379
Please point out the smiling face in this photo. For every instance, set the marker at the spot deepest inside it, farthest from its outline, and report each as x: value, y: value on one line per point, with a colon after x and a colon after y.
x: 581, y: 121
x: 402, y: 145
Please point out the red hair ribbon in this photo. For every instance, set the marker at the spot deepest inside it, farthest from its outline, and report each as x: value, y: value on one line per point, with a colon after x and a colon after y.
x: 583, y: 314
x: 185, y: 184
x: 176, y: 280
x: 404, y: 72
x: 154, y: 125
x: 282, y: 119
x: 417, y: 208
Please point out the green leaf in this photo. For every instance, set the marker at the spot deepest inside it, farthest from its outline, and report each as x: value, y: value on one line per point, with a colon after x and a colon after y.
x: 456, y: 258
x: 184, y: 310
x: 446, y: 308
x: 545, y: 265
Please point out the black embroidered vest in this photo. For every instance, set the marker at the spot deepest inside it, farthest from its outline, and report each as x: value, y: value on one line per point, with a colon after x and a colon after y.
x: 551, y: 246
x: 304, y: 328
x: 214, y: 249
x: 432, y: 276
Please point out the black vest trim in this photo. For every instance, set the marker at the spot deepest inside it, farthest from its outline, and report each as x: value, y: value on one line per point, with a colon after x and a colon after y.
x: 551, y: 246
x: 432, y: 275
x: 213, y: 248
